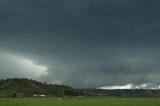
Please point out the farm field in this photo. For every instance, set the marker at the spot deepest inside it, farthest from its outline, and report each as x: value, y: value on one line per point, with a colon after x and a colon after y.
x: 82, y: 102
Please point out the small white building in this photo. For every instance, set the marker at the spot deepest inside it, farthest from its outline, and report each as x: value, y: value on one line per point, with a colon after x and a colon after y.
x: 39, y: 96
x: 42, y: 95
x: 35, y: 95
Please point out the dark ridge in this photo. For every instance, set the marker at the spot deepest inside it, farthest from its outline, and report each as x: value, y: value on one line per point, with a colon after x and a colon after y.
x: 27, y: 88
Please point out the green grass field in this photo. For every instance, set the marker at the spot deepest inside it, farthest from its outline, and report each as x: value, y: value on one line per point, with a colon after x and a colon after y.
x: 82, y: 102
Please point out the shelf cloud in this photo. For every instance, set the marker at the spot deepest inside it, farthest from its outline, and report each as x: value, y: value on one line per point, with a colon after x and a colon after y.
x: 81, y: 43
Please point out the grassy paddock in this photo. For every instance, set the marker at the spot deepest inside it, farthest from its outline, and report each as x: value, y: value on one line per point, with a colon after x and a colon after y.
x: 81, y: 102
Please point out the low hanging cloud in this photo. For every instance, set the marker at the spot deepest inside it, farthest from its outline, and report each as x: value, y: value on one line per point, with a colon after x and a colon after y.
x: 132, y: 86
x: 17, y: 67
x: 129, y: 66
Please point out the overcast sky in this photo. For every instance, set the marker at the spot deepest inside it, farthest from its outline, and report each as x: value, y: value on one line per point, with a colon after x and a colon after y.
x: 81, y: 43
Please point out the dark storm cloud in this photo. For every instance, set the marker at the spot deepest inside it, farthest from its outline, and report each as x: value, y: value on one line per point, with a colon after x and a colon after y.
x: 85, y: 43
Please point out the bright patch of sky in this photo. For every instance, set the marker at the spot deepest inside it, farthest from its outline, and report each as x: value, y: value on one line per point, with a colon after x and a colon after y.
x: 15, y: 66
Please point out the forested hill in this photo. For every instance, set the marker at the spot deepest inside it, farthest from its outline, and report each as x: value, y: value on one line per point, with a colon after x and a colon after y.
x: 28, y: 88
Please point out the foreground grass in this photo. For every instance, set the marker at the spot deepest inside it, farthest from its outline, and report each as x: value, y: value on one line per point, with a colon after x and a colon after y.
x: 82, y: 102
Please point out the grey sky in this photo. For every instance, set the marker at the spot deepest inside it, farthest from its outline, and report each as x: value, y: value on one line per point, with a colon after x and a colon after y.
x: 81, y: 43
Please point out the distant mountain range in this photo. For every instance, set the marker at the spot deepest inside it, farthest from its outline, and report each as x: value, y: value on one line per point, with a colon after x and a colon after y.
x: 11, y: 88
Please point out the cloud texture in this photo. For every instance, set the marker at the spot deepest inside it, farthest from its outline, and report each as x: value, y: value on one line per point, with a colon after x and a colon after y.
x: 81, y: 43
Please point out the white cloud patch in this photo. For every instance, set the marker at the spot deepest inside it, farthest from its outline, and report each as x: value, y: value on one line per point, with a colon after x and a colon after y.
x: 132, y: 86
x: 15, y: 66
x: 128, y: 86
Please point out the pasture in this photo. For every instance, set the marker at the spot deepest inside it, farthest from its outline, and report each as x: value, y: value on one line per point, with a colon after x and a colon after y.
x: 81, y: 102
